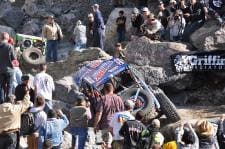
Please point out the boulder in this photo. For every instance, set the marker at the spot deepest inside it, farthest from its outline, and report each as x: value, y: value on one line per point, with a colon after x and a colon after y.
x: 152, y: 59
x: 65, y: 90
x: 13, y: 17
x: 67, y: 22
x: 211, y: 36
x: 8, y: 30
x: 68, y: 67
x: 111, y: 33
x: 32, y: 27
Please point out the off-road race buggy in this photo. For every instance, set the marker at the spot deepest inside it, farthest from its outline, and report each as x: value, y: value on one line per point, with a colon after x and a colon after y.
x: 129, y: 84
x: 31, y: 49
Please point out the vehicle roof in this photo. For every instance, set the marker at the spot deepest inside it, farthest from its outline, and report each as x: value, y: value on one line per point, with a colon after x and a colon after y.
x: 99, y: 72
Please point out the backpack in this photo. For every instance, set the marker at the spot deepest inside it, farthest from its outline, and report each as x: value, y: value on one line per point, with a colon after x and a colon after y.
x: 28, y: 123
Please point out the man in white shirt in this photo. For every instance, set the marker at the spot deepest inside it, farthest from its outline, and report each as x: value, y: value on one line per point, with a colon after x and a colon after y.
x: 44, y: 86
x: 117, y: 121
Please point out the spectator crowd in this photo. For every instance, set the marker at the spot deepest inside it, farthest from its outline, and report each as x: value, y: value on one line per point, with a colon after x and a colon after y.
x: 26, y: 107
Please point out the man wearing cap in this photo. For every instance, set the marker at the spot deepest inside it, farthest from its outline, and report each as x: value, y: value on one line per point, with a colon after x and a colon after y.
x: 7, y: 55
x: 137, y: 20
x: 53, y: 33
x: 117, y: 121
x: 98, y: 28
x: 22, y: 88
x: 153, y: 133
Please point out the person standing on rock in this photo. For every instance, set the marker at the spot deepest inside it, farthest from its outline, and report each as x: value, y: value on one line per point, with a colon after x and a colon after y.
x: 109, y: 104
x: 44, y: 86
x: 7, y: 56
x: 98, y: 28
x: 80, y: 36
x: 90, y: 29
x: 53, y: 33
x: 137, y: 20
x: 121, y: 26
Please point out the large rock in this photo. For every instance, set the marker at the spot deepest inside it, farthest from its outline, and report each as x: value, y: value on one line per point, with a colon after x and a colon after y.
x: 13, y: 17
x: 111, y: 33
x: 209, y: 37
x: 32, y: 27
x: 153, y: 60
x: 68, y: 67
x: 65, y: 90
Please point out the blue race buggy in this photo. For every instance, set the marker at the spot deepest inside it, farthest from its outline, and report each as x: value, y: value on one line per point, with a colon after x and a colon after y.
x: 129, y: 84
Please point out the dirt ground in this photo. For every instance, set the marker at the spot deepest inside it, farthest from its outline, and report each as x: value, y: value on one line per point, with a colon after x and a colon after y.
x: 201, y: 112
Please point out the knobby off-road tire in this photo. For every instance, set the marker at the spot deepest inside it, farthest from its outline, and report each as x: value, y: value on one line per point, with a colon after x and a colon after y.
x: 148, y: 102
x: 167, y: 107
x: 33, y: 56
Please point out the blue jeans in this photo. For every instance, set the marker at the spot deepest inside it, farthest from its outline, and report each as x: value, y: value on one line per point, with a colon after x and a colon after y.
x: 98, y: 38
x: 8, y: 141
x: 48, y: 105
x: 6, y: 84
x: 79, y: 46
x: 121, y: 36
x: 51, y: 53
x: 81, y: 135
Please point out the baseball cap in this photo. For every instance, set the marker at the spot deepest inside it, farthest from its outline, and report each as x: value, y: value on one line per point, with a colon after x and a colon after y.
x: 129, y: 103
x: 156, y: 123
x: 145, y: 9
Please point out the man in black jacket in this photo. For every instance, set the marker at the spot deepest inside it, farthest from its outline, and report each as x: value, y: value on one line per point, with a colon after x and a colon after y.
x: 137, y: 20
x: 6, y: 68
x: 131, y: 131
x: 197, y: 14
x: 22, y: 89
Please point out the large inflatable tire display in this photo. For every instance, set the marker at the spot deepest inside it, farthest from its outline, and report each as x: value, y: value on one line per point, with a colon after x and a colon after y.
x: 167, y: 107
x: 144, y: 96
x: 33, y: 56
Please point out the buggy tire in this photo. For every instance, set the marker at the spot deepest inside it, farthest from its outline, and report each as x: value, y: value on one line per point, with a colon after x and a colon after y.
x: 167, y: 107
x: 39, y: 57
x: 148, y: 102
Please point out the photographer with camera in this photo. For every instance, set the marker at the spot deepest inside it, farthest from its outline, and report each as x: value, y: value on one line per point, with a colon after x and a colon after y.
x: 52, y: 130
x: 176, y: 26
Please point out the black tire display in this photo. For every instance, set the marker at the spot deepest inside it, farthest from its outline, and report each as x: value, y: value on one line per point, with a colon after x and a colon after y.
x: 144, y: 95
x: 167, y: 107
x: 33, y: 56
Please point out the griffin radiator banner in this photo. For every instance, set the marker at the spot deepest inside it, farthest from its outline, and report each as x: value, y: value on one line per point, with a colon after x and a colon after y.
x: 199, y: 61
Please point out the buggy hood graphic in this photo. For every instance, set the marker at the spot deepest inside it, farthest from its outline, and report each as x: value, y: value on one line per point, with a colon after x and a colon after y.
x: 99, y: 72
